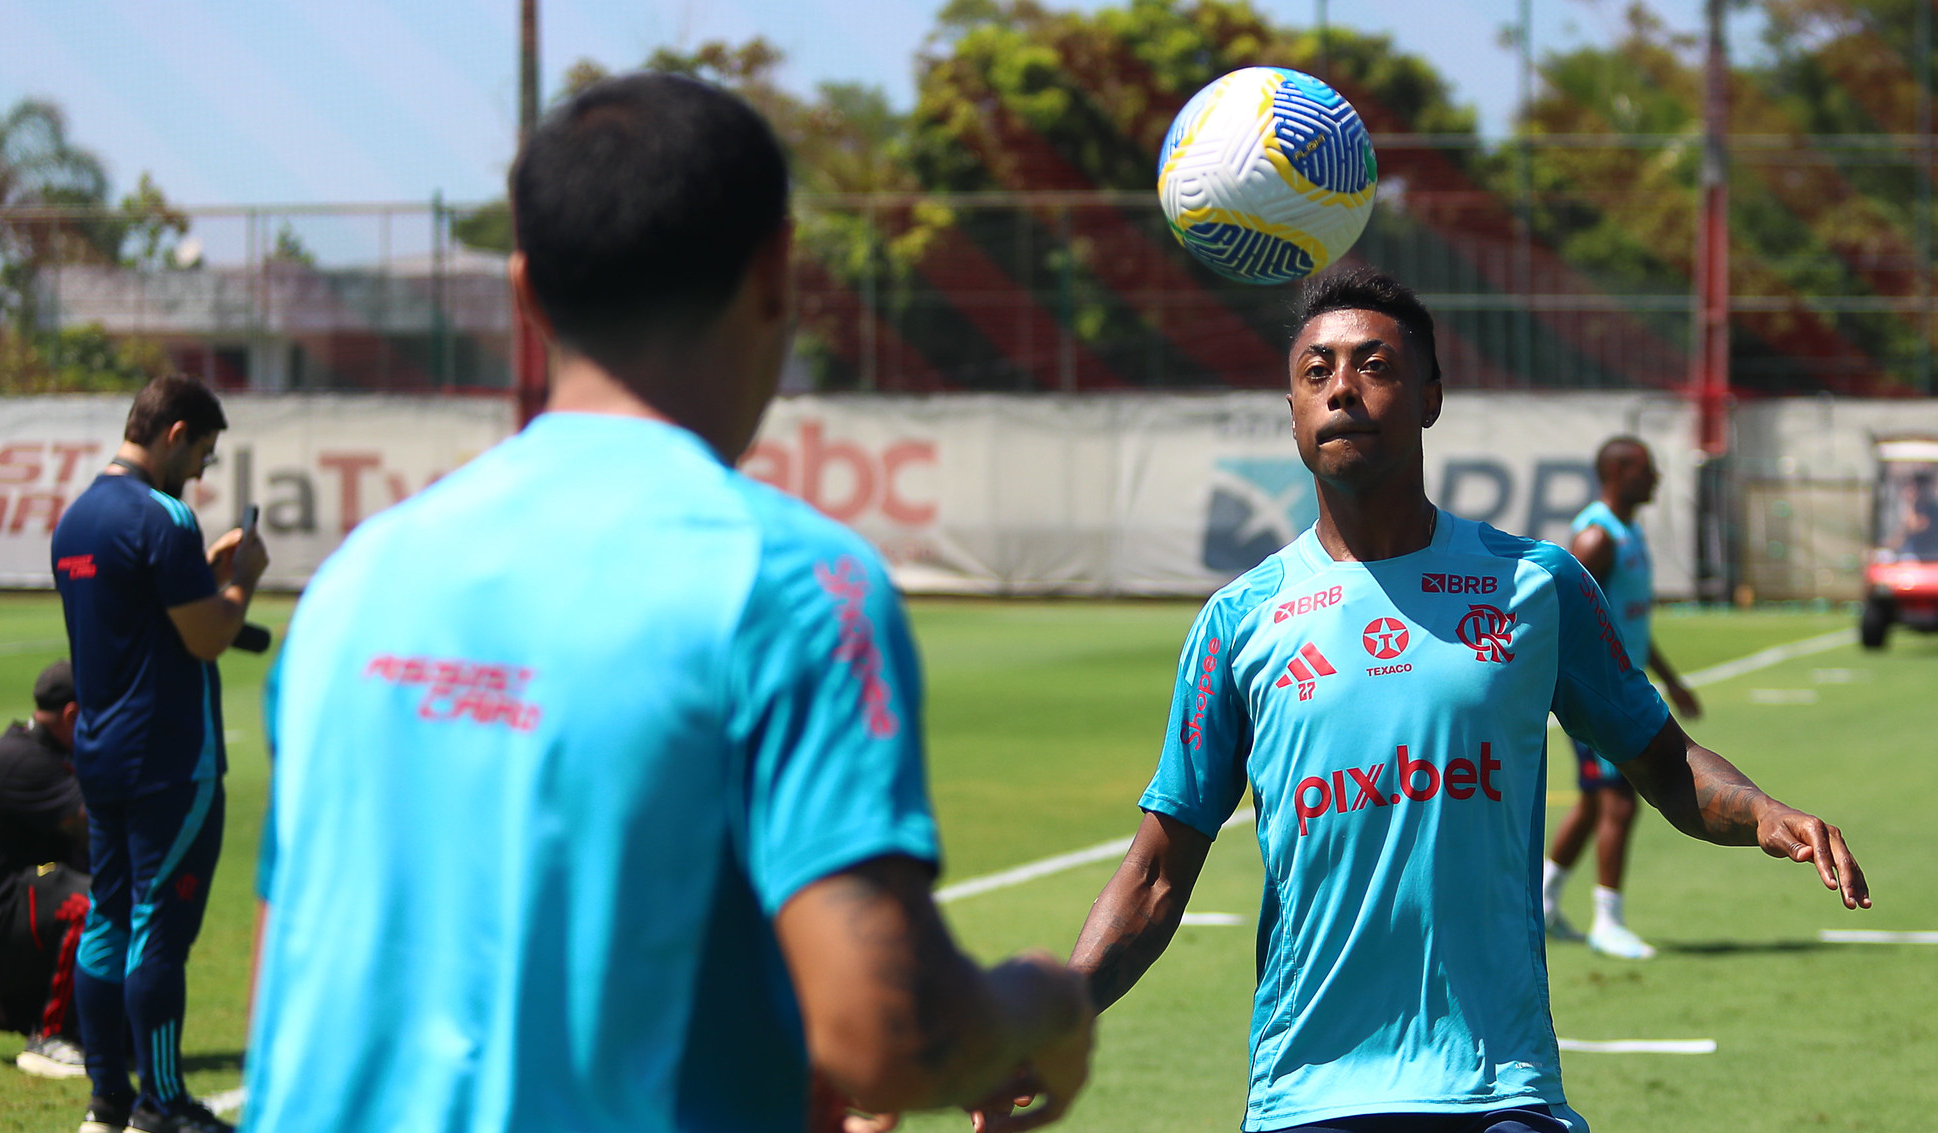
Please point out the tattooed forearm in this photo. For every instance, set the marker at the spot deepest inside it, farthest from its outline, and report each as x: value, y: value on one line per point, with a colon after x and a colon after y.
x: 1699, y: 792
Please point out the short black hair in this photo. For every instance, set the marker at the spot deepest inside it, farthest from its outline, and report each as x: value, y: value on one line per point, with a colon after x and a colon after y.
x: 639, y: 204
x: 168, y: 399
x: 1611, y: 452
x: 1365, y: 289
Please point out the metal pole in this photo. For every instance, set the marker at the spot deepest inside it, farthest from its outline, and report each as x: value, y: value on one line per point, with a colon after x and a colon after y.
x: 870, y: 305
x: 1709, y: 373
x: 440, y: 346
x: 1524, y: 230
x: 1709, y: 345
x: 1325, y: 40
x: 1924, y: 155
x: 528, y: 346
x: 1066, y: 307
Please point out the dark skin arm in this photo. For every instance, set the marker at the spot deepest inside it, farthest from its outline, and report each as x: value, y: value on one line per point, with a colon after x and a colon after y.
x: 898, y: 1018
x: 1138, y: 912
x: 1705, y: 796
x: 1595, y: 548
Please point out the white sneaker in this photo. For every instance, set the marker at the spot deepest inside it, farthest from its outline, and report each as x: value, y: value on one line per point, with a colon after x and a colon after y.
x: 1560, y: 929
x: 1619, y: 941
x: 51, y: 1056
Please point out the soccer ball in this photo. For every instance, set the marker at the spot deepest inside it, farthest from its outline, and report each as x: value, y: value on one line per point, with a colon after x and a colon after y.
x: 1267, y: 175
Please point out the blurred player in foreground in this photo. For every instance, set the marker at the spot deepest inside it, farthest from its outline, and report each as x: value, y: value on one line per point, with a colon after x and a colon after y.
x: 1609, y: 542
x: 600, y: 799
x: 1383, y: 686
x: 148, y: 611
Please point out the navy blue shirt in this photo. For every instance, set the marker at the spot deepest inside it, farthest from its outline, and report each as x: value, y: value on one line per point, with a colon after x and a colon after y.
x: 151, y: 712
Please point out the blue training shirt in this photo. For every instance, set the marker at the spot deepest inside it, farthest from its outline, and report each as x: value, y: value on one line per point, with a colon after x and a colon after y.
x: 555, y: 740
x: 150, y: 711
x: 1630, y: 585
x: 1390, y: 719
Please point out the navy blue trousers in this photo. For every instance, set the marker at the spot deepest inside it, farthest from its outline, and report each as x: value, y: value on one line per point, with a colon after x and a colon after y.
x: 1520, y: 1119
x: 152, y: 857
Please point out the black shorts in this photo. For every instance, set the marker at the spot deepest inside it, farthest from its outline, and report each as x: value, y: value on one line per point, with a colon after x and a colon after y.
x: 1519, y: 1119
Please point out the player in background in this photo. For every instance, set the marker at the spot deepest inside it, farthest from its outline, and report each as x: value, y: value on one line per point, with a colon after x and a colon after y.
x: 600, y: 801
x: 148, y: 611
x: 1609, y: 543
x: 43, y: 879
x: 1382, y: 687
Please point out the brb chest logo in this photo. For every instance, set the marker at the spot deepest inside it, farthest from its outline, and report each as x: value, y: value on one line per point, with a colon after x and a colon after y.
x: 1488, y: 632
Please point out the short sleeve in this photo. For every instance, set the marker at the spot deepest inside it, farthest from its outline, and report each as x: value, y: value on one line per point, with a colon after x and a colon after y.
x: 1601, y: 697
x: 827, y: 711
x: 1201, y: 774
x: 179, y: 562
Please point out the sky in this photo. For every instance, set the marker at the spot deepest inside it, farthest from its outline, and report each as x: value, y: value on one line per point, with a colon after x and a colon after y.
x: 230, y: 102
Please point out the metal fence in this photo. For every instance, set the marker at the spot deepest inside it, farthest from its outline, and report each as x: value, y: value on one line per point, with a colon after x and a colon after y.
x: 1078, y: 291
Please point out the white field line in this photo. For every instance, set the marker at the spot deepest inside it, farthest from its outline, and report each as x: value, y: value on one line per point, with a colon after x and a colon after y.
x: 1869, y: 936
x: 228, y: 1101
x: 1104, y: 851
x: 1640, y: 1046
x: 1044, y: 867
x: 1761, y: 659
x: 12, y: 647
x: 1210, y: 919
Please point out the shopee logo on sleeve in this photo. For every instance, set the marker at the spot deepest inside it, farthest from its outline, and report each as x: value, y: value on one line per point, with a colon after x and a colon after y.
x: 1194, y: 724
x: 846, y: 581
x: 1458, y: 584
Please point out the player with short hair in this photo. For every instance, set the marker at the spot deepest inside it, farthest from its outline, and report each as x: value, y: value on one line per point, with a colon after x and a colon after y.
x: 43, y: 878
x: 599, y: 799
x: 1609, y: 542
x: 1382, y: 687
x: 148, y: 611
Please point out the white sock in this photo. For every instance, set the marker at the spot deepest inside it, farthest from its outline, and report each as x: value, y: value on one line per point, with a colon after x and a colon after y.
x: 1608, y: 906
x: 1553, y: 879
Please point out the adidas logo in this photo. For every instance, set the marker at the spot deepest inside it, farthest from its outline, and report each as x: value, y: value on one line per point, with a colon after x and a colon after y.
x: 1305, y: 669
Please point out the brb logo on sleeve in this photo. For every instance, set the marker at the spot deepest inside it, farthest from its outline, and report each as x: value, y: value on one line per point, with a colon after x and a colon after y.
x: 1305, y: 669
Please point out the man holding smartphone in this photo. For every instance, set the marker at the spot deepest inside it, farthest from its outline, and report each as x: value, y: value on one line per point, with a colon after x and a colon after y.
x: 148, y: 611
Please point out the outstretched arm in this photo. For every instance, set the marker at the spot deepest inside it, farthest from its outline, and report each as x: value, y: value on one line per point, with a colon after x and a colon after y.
x: 1705, y: 796
x: 1134, y: 918
x: 898, y: 1018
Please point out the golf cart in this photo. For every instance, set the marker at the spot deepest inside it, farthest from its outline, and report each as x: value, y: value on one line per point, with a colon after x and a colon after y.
x: 1901, y: 582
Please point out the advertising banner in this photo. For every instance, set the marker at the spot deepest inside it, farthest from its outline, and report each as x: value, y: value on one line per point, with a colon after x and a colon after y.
x: 1178, y: 493
x: 316, y: 464
x: 978, y: 494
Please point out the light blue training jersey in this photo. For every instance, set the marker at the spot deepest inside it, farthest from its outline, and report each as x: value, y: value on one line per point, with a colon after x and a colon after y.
x: 1390, y: 719
x: 555, y: 740
x: 1630, y: 584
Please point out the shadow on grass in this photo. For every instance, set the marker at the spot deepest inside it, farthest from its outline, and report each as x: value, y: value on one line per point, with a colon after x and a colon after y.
x: 214, y: 1061
x: 1737, y: 947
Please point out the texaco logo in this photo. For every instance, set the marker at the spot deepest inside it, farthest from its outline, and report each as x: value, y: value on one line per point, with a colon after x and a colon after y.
x: 1488, y: 632
x: 1385, y: 638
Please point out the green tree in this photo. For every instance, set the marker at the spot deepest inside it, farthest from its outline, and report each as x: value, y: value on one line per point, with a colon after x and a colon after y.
x: 40, y: 169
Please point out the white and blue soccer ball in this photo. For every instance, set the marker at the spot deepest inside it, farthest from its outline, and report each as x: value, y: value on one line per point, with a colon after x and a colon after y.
x: 1267, y: 175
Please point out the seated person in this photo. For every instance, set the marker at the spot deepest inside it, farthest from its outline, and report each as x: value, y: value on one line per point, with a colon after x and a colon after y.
x: 43, y: 879
x: 1918, y: 519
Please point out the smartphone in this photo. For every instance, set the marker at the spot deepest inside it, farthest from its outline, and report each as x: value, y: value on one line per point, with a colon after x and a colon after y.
x: 249, y: 516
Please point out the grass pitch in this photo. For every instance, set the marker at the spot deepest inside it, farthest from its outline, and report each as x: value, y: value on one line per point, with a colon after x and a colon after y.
x: 1044, y: 720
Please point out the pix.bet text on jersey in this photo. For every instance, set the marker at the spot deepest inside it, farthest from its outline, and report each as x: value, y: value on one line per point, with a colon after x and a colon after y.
x: 1390, y: 718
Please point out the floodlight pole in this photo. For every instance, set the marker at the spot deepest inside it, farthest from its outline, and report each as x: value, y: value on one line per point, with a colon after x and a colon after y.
x: 1709, y: 358
x: 528, y: 346
x: 1709, y: 342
